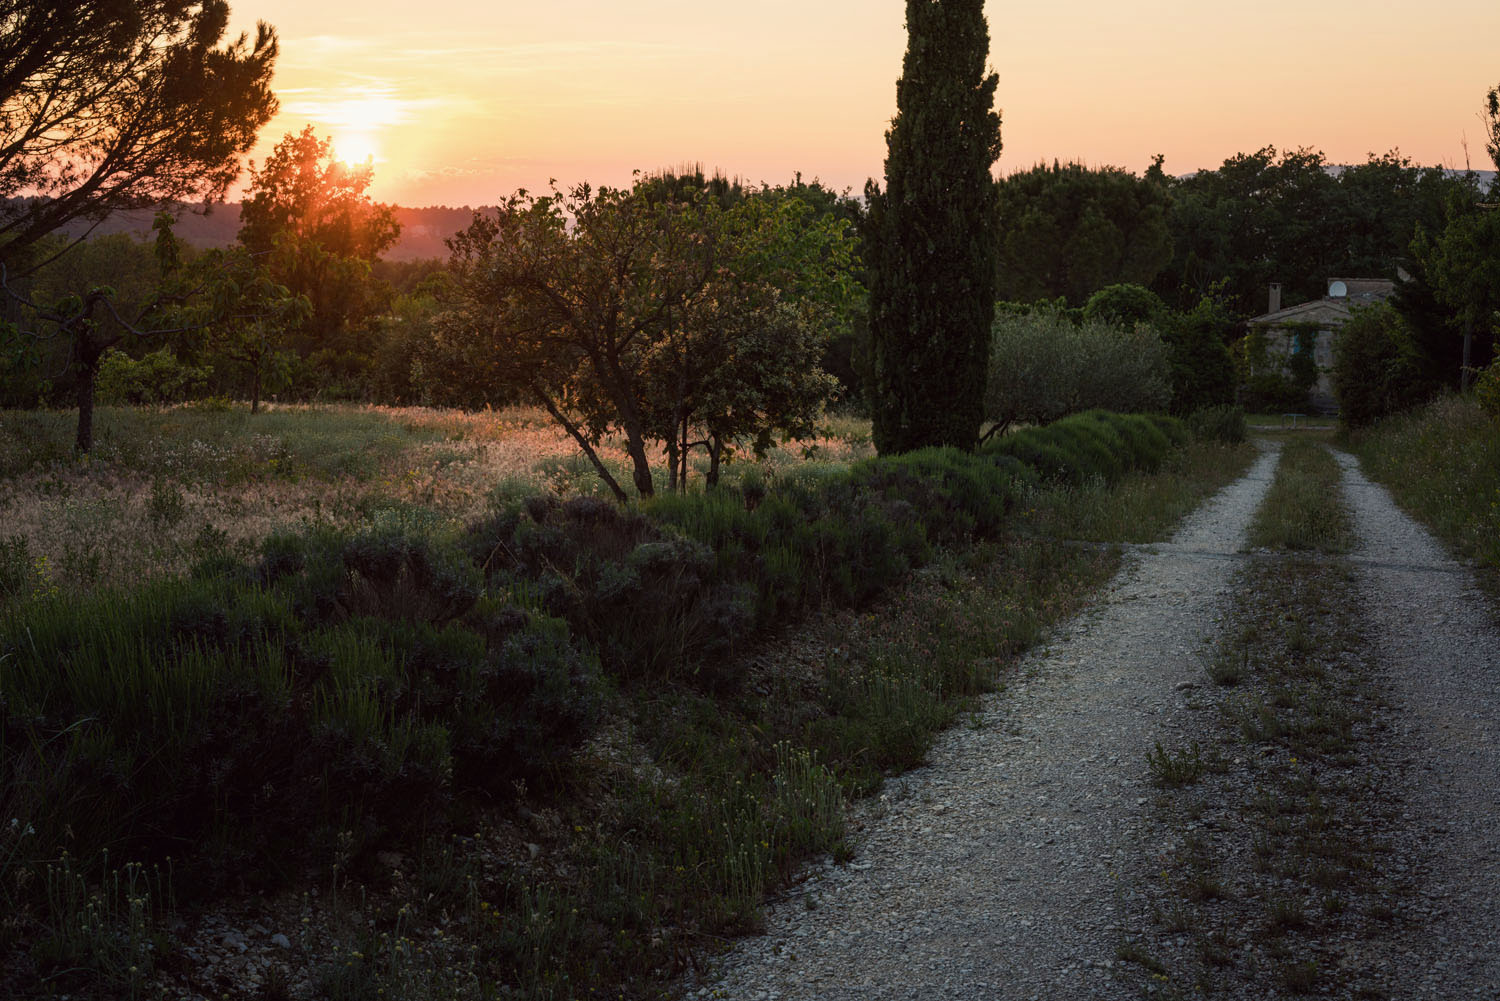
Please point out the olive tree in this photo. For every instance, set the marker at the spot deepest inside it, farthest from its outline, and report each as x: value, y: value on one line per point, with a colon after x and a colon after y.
x: 1043, y: 366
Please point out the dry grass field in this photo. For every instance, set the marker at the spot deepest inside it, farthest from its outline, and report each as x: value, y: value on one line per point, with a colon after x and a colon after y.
x: 165, y: 486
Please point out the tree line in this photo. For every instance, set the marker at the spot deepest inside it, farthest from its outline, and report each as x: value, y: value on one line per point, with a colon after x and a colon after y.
x: 690, y: 314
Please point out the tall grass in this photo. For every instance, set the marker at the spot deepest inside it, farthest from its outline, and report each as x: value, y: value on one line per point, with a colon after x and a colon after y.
x: 1304, y: 508
x: 1143, y: 506
x: 1442, y: 464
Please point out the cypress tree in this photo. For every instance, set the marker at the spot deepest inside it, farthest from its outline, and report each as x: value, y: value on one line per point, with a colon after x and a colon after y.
x: 931, y: 234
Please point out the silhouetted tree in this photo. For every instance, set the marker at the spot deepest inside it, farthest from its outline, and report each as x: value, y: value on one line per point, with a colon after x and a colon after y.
x: 663, y: 317
x: 106, y: 106
x: 312, y: 217
x: 930, y: 241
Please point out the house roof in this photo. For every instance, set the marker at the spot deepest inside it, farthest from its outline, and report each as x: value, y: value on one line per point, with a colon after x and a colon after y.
x: 1333, y: 311
x: 1359, y: 292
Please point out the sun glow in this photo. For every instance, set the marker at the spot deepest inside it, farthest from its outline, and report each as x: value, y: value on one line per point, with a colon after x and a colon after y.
x: 354, y: 148
x: 354, y: 122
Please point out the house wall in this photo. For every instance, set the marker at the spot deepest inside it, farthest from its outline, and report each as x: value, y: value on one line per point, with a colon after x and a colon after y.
x: 1280, y: 343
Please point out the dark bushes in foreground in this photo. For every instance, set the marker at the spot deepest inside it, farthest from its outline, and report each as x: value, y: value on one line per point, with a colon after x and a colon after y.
x: 348, y: 689
x: 351, y: 692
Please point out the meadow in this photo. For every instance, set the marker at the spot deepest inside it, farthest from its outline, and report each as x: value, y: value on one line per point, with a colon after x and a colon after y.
x: 165, y: 486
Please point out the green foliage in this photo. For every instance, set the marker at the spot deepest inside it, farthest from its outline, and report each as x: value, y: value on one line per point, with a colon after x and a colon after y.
x: 218, y: 710
x: 1125, y: 305
x: 1376, y: 368
x: 656, y: 312
x: 1172, y: 769
x: 154, y: 379
x: 929, y: 241
x: 1487, y: 389
x: 1067, y: 230
x: 1223, y: 424
x: 1304, y: 508
x: 1092, y: 446
x: 1460, y: 263
x: 1197, y: 346
x: 1251, y: 222
x: 1442, y: 463
x: 1043, y: 367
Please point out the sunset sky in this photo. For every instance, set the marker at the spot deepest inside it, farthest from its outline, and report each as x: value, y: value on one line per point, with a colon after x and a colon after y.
x: 462, y: 101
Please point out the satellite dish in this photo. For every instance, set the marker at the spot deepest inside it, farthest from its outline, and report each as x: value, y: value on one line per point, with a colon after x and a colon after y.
x: 1337, y: 290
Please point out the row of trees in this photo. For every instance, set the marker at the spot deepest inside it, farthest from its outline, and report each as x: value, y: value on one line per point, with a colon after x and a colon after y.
x: 685, y: 313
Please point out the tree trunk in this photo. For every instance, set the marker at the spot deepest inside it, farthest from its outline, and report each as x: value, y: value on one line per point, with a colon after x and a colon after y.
x: 635, y: 447
x: 88, y: 372
x: 255, y: 389
x: 715, y: 449
x: 1466, y: 374
x: 672, y: 464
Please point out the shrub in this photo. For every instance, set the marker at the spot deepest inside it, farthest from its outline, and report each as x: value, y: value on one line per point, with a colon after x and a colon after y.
x: 1202, y: 369
x: 955, y: 496
x: 1093, y: 445
x: 652, y: 603
x: 1226, y: 424
x: 152, y: 380
x: 392, y: 568
x: 1042, y: 367
x: 1487, y: 389
x: 209, y: 712
x: 1377, y: 367
x: 1124, y: 305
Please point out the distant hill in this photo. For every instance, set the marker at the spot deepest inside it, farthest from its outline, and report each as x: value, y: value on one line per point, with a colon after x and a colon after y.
x: 422, y: 230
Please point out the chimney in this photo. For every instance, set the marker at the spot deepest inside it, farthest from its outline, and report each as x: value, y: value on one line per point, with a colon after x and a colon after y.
x: 1275, y: 304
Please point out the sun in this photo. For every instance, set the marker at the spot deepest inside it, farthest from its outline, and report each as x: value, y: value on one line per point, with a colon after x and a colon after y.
x: 354, y: 148
x: 357, y: 123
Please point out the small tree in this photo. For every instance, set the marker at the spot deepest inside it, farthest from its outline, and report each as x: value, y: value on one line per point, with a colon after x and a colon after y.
x: 310, y: 215
x: 1198, y: 347
x: 1043, y: 367
x: 255, y: 314
x: 88, y: 325
x: 930, y: 238
x: 665, y: 319
x: 1377, y: 370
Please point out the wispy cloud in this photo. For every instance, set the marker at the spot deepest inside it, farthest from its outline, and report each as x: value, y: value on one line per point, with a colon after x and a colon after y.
x: 373, y: 105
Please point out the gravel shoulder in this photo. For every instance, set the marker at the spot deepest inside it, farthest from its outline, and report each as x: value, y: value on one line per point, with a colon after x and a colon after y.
x: 1439, y: 651
x: 1002, y: 868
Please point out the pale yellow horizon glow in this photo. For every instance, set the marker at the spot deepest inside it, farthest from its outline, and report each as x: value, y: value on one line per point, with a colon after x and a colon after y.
x: 461, y: 102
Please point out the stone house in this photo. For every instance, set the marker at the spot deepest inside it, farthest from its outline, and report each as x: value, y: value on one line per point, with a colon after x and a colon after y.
x: 1310, y: 327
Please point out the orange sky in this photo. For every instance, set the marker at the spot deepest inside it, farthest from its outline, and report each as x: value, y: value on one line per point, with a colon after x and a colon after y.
x: 462, y: 101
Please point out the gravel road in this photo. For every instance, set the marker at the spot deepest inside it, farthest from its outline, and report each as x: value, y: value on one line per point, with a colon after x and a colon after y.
x: 1439, y: 649
x: 1000, y: 869
x: 1003, y: 868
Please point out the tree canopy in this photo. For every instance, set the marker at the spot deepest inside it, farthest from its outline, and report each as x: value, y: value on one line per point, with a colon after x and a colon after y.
x: 121, y: 104
x: 653, y: 312
x: 310, y: 216
x: 1291, y: 218
x: 1067, y: 230
x: 930, y: 239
